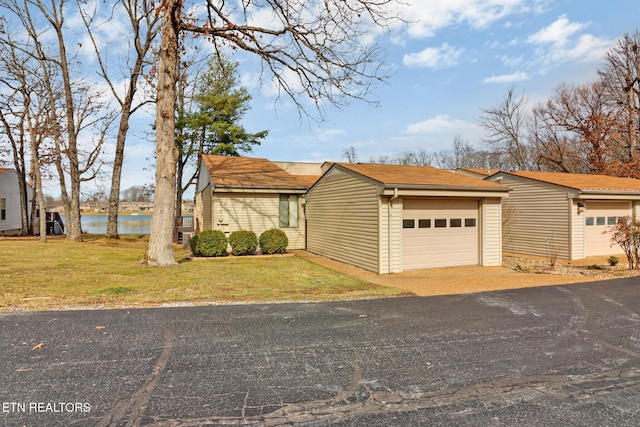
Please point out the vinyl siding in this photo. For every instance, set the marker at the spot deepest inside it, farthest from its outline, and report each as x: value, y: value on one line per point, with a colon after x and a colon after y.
x: 578, y: 244
x: 540, y: 219
x: 255, y: 212
x: 10, y: 191
x: 491, y: 241
x: 390, y: 249
x: 207, y: 215
x: 344, y: 219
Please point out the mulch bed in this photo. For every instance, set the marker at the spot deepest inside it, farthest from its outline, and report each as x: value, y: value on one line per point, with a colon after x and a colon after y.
x: 565, y: 268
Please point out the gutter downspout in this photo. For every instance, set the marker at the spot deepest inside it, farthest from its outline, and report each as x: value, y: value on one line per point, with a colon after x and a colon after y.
x: 390, y: 225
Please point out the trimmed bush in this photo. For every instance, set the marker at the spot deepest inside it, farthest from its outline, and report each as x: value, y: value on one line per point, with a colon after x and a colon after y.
x: 243, y: 242
x: 273, y: 241
x: 209, y: 243
x: 193, y: 243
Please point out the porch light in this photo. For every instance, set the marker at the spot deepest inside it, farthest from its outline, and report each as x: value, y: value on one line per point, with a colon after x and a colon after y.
x: 581, y: 207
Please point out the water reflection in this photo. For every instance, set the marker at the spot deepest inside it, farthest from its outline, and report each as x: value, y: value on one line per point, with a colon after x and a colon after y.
x: 127, y: 224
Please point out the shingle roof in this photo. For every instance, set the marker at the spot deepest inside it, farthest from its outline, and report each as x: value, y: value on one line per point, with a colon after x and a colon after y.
x: 244, y: 172
x: 481, y: 171
x: 584, y: 182
x: 423, y: 176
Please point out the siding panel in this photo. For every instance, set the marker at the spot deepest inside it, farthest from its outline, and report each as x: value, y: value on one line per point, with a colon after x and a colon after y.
x: 255, y: 212
x: 344, y: 219
x: 491, y: 242
x: 537, y: 219
x: 207, y: 215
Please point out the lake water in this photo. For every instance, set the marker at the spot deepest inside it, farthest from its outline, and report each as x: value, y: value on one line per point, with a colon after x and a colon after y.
x: 127, y: 224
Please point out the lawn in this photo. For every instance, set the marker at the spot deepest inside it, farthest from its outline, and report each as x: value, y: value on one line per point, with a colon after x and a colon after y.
x: 101, y: 273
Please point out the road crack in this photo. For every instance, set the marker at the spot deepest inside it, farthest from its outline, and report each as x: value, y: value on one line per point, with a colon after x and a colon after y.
x: 358, y: 400
x: 133, y: 409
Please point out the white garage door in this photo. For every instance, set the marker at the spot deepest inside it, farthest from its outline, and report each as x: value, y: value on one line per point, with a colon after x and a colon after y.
x: 439, y: 233
x: 599, y: 217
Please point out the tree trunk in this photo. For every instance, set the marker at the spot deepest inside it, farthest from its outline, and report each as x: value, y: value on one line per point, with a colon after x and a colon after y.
x: 116, y: 177
x: 160, y: 250
x: 37, y: 189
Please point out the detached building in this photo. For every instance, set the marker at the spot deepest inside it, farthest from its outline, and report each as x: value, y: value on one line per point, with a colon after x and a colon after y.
x: 565, y: 215
x: 392, y: 218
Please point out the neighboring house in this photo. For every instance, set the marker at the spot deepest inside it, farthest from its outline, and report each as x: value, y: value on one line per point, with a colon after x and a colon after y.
x: 240, y: 193
x: 391, y: 218
x: 563, y: 215
x: 10, y: 210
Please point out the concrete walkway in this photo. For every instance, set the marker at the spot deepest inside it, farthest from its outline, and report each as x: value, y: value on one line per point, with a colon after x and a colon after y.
x: 448, y: 281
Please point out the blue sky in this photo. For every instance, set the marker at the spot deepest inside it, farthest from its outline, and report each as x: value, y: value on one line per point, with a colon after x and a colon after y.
x: 452, y: 59
x: 455, y: 58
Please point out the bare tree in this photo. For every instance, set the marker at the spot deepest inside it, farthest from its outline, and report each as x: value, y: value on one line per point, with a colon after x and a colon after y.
x: 24, y: 116
x: 137, y: 193
x: 143, y: 20
x: 74, y: 105
x: 319, y: 43
x: 621, y: 75
x: 507, y: 127
x: 350, y: 154
x: 13, y: 112
x: 577, y: 130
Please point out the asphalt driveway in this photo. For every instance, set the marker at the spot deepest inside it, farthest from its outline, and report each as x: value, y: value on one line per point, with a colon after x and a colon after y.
x: 545, y: 356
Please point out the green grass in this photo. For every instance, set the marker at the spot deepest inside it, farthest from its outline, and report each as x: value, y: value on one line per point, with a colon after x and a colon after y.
x: 107, y: 273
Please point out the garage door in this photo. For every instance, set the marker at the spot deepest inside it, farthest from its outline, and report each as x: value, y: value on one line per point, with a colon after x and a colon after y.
x: 439, y: 233
x: 599, y: 217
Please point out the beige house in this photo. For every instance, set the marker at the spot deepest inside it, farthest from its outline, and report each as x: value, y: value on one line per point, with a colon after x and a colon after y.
x: 239, y: 193
x: 562, y: 215
x: 391, y: 218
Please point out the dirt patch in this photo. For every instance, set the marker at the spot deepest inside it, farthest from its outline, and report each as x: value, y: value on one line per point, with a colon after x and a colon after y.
x: 516, y: 272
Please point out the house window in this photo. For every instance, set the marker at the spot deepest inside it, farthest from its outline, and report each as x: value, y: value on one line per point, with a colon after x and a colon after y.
x: 288, y: 210
x: 455, y: 222
x: 408, y: 223
x: 600, y: 220
x: 424, y: 223
x: 590, y: 220
x: 441, y: 223
x: 469, y: 222
x: 3, y: 209
x: 611, y: 220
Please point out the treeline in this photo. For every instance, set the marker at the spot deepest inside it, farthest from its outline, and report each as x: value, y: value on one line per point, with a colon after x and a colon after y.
x: 587, y: 128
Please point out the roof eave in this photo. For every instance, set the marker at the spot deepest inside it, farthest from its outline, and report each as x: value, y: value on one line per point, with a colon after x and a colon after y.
x: 446, y: 187
x: 259, y: 188
x: 608, y: 194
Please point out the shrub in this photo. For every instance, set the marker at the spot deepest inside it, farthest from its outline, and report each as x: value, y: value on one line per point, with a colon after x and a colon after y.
x: 626, y: 233
x: 193, y: 243
x: 273, y: 241
x: 613, y: 261
x: 243, y: 242
x: 209, y: 243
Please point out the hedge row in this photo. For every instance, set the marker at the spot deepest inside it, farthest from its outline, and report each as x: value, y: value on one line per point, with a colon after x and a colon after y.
x: 213, y: 243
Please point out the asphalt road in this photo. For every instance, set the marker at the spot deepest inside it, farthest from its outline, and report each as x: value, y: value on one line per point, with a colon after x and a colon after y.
x: 567, y: 355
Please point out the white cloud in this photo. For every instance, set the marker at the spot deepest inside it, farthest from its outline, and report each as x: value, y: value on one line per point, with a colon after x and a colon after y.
x: 441, y: 124
x: 508, y: 78
x: 434, y: 57
x: 426, y: 17
x: 562, y: 42
x: 330, y: 134
x: 558, y: 33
